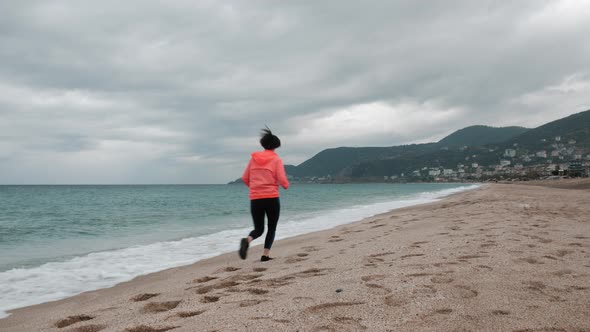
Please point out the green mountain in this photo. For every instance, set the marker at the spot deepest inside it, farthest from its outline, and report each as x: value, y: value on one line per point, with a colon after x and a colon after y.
x: 480, y: 135
x: 339, y: 161
x: 573, y: 132
x: 378, y: 161
x: 483, y: 145
x: 574, y: 127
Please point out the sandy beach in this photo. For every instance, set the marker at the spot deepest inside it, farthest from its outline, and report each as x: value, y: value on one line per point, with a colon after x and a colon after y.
x: 505, y: 257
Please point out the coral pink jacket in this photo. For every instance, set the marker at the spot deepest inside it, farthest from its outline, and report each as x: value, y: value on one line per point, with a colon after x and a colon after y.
x: 264, y: 173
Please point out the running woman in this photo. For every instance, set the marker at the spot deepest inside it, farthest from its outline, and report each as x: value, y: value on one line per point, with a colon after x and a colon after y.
x: 264, y: 173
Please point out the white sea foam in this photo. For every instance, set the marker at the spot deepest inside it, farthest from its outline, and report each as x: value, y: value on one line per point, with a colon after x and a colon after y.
x: 57, y: 280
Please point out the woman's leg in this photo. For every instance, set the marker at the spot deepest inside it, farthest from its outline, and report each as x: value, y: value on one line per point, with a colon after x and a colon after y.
x: 273, y: 211
x: 257, y: 209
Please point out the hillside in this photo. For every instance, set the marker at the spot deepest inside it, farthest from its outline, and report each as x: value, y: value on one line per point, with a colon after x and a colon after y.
x: 339, y: 161
x: 575, y: 126
x: 573, y: 133
x: 347, y: 161
x: 480, y: 135
x: 472, y: 149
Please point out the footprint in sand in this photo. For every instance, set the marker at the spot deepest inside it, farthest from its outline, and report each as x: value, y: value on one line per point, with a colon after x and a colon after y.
x: 382, y: 254
x: 330, y: 305
x: 489, y: 244
x: 441, y: 280
x: 310, y: 248
x: 186, y: 314
x: 411, y: 255
x: 529, y: 260
x: 467, y: 257
x: 444, y: 311
x: 209, y: 299
x: 421, y: 274
x: 72, y: 320
x: 562, y: 273
x: 204, y: 279
x: 250, y: 303
x: 377, y: 286
x: 501, y: 312
x: 227, y: 269
x: 88, y: 328
x: 563, y: 252
x: 373, y: 261
x: 424, y: 289
x: 535, y: 285
x: 155, y: 307
x: 373, y: 277
x: 219, y: 285
x: 394, y: 301
x: 144, y: 297
x: 349, y: 323
x: 256, y: 291
x: 145, y: 328
x: 240, y: 277
x: 294, y: 260
x: 485, y: 267
x: 466, y: 292
x: 300, y: 257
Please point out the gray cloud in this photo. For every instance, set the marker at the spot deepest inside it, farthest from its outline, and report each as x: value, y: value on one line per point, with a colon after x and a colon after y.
x: 140, y: 92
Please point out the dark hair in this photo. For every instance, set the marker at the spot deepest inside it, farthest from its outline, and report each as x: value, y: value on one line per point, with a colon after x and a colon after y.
x: 268, y: 140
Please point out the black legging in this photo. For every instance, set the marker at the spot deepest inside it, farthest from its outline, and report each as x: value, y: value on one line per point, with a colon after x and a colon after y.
x: 272, y: 208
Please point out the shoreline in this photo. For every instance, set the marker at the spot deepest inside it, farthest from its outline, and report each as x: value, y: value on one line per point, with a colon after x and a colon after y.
x: 395, y: 270
x: 358, y: 213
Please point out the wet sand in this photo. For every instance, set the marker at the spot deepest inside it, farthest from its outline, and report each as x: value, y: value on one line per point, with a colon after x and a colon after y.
x: 502, y: 258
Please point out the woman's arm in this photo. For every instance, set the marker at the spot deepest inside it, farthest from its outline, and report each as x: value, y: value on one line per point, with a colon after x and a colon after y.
x: 246, y: 175
x: 281, y: 175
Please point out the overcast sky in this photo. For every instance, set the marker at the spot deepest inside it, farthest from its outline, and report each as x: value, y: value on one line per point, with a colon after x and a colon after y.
x: 177, y: 91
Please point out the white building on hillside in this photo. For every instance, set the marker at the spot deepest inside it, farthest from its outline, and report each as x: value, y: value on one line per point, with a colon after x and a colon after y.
x: 509, y: 153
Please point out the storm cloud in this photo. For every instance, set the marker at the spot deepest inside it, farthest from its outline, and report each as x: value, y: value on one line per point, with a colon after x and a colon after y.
x: 176, y: 92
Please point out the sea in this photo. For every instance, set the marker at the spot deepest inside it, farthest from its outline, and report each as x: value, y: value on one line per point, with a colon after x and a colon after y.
x: 58, y: 241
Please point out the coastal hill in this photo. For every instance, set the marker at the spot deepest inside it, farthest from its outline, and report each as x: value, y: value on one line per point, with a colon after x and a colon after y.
x: 341, y: 161
x: 480, y: 135
x: 476, y: 147
x: 472, y: 153
x: 575, y: 127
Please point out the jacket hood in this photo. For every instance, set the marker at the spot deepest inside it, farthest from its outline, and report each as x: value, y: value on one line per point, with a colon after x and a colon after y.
x: 264, y: 157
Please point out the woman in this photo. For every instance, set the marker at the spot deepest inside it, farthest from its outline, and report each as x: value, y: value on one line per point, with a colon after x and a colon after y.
x: 264, y: 173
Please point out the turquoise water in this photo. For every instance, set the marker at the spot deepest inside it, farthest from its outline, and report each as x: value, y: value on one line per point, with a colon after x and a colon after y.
x: 75, y: 238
